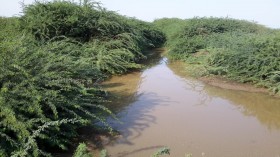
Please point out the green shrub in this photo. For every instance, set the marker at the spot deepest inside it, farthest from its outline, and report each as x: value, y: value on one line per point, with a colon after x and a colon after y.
x: 43, y: 84
x: 259, y: 64
x: 241, y: 50
x: 82, y: 151
x: 46, y: 20
x: 52, y: 59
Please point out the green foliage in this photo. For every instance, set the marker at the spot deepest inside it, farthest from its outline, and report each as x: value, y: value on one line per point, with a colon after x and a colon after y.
x: 46, y: 20
x: 103, y: 153
x: 31, y: 147
x: 9, y: 28
x: 161, y: 151
x: 47, y: 83
x: 197, y: 32
x: 52, y: 59
x: 170, y: 26
x: 258, y: 62
x: 238, y: 49
x: 117, y: 38
x: 82, y: 151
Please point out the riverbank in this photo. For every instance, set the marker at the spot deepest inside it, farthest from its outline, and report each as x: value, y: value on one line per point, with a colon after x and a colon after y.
x: 238, y: 50
x: 196, y: 71
x: 225, y: 83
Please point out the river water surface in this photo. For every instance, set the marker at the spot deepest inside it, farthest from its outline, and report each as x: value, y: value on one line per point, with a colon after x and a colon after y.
x: 162, y: 106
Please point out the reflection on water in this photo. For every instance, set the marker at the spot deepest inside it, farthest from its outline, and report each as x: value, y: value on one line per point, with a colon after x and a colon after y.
x: 161, y: 106
x: 262, y: 106
x: 122, y: 90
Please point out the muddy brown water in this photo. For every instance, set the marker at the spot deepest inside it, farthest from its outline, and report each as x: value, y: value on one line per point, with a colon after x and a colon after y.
x: 162, y: 106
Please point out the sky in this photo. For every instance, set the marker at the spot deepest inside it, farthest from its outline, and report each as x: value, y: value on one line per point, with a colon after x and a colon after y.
x: 265, y: 12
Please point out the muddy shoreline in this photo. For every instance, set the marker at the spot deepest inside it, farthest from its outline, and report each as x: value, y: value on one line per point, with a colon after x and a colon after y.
x: 187, y: 70
x: 225, y: 83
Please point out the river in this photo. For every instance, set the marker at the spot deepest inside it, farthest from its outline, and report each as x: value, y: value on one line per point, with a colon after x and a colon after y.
x: 162, y: 106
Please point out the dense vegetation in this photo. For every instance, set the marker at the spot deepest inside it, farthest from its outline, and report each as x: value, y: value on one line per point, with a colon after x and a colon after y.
x: 237, y: 49
x: 55, y: 55
x: 52, y: 59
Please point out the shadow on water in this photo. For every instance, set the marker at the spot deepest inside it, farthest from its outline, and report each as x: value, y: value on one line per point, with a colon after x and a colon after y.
x: 133, y: 106
x: 136, y: 117
x: 122, y: 90
x: 153, y: 58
